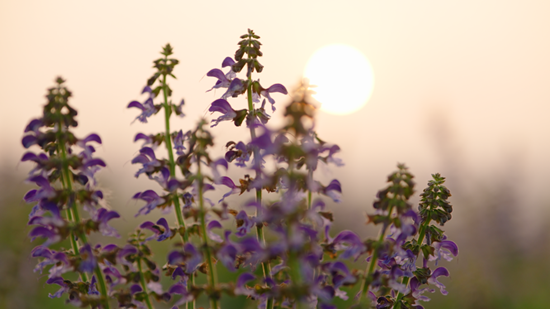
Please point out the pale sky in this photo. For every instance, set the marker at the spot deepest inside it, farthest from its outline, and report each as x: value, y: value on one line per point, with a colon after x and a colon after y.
x: 481, y: 68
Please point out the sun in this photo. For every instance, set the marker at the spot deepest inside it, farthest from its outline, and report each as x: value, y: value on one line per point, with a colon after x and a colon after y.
x: 343, y: 76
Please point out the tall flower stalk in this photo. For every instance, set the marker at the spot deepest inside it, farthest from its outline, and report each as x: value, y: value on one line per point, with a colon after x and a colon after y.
x: 59, y: 164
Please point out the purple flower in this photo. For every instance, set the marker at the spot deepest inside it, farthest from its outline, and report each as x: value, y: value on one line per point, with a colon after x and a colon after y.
x: 241, y: 288
x: 226, y: 181
x: 446, y: 249
x: 330, y: 157
x: 102, y: 217
x: 214, y: 167
x: 178, y: 142
x: 222, y: 106
x: 29, y: 140
x: 148, y: 159
x: 163, y: 177
x: 123, y: 253
x: 190, y: 257
x: 239, y: 152
x: 334, y: 191
x: 180, y: 289
x: 89, y: 262
x: 235, y: 88
x: 92, y: 290
x: 245, y: 224
x: 273, y: 88
x: 41, y: 161
x: 417, y: 293
x: 160, y: 233
x: 227, y: 254
x: 212, y: 225
x: 45, y: 191
x: 34, y: 125
x: 147, y: 140
x: 350, y: 243
x: 59, y: 281
x: 224, y: 80
x: 147, y: 108
x: 45, y: 232
x: 51, y: 257
x: 112, y: 272
x: 440, y: 271
x: 179, y: 109
x: 151, y: 198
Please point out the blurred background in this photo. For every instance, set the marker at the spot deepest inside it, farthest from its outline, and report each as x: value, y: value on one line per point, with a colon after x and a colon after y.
x: 461, y: 88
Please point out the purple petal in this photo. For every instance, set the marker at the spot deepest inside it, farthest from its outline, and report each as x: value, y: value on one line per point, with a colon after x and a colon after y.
x: 349, y: 237
x: 57, y: 280
x: 244, y: 278
x: 440, y: 271
x: 212, y: 225
x: 136, y: 104
x: 451, y: 246
x: 136, y: 288
x: 95, y: 162
x: 147, y: 225
x: 172, y: 185
x: 141, y: 159
x: 147, y: 89
x: 148, y: 195
x: 228, y: 61
x: 33, y: 125
x: 222, y: 106
x: 175, y: 258
x: 108, y: 215
x: 142, y: 136
x: 148, y: 151
x: 162, y: 222
x: 42, y: 232
x: 28, y: 141
x: 178, y: 288
x: 277, y: 88
x: 217, y: 73
x: 127, y: 250
x: 226, y: 181
x: 30, y: 195
x: 334, y: 185
x: 29, y: 156
x: 92, y: 138
x: 41, y: 251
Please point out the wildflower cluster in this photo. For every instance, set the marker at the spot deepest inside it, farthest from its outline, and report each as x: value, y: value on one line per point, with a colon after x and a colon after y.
x: 283, y: 228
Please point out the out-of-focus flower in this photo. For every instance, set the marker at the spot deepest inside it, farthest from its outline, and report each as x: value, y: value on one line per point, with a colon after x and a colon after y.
x: 147, y: 108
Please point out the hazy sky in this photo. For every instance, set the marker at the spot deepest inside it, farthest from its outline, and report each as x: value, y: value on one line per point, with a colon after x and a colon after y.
x: 478, y: 70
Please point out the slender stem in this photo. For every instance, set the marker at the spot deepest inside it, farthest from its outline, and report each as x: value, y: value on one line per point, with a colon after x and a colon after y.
x: 212, y: 276
x: 266, y: 266
x: 72, y: 237
x: 420, y: 240
x: 144, y: 285
x: 374, y: 259
x: 73, y: 215
x: 102, y: 286
x: 172, y: 166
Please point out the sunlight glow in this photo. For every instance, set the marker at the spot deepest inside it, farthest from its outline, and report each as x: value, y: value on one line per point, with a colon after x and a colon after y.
x: 343, y: 76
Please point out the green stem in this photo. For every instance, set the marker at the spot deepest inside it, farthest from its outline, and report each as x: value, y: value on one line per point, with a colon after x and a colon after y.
x: 421, y: 235
x: 266, y: 266
x: 144, y: 285
x: 172, y: 167
x: 73, y: 215
x: 211, y: 276
x: 374, y: 259
x: 102, y: 286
